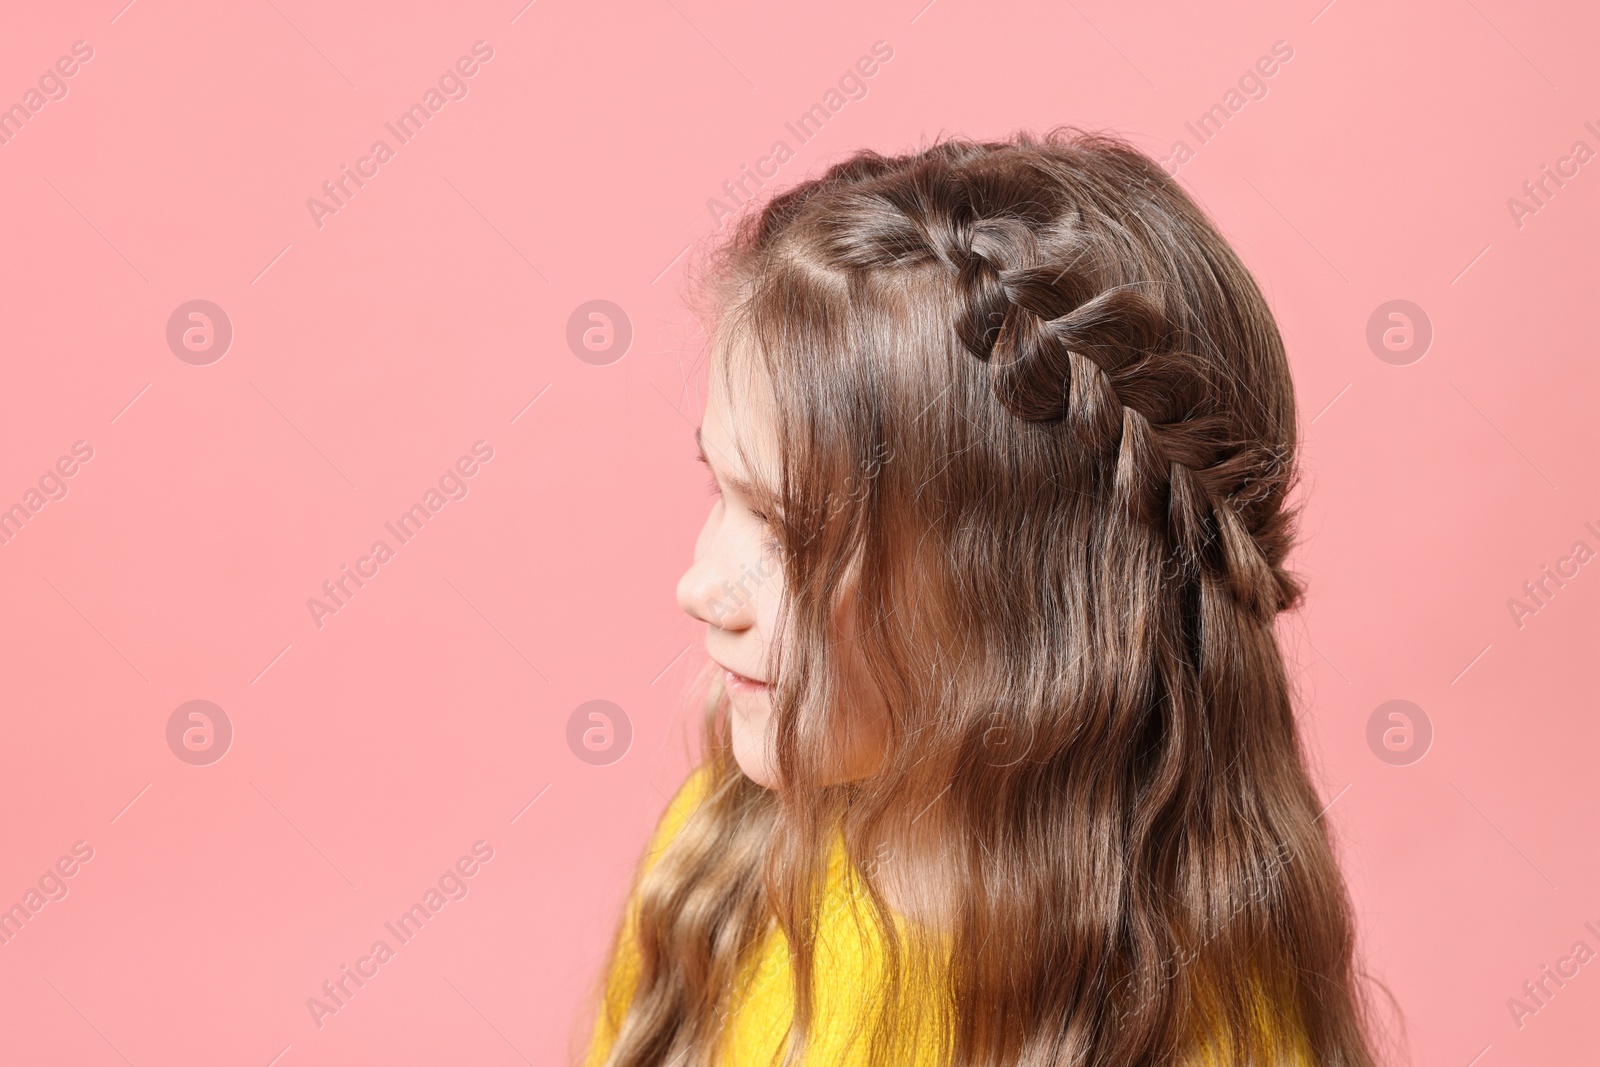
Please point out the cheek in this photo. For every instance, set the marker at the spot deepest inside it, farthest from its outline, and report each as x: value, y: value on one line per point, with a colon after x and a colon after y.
x: 769, y: 595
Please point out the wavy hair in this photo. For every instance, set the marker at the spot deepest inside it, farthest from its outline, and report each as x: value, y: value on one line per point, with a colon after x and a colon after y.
x: 1076, y: 415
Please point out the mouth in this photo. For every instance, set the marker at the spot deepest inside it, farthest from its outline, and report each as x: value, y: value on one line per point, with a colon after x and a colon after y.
x: 740, y: 683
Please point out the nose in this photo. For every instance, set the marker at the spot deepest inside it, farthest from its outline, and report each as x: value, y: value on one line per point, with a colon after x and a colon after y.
x: 707, y: 592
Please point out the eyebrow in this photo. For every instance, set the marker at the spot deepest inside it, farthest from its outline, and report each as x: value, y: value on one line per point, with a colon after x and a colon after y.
x: 739, y: 485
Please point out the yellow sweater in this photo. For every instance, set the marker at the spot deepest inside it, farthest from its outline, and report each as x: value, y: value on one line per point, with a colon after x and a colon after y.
x: 846, y: 961
x: 846, y: 965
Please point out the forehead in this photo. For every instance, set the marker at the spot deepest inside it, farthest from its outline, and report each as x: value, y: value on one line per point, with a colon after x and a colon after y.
x: 737, y: 432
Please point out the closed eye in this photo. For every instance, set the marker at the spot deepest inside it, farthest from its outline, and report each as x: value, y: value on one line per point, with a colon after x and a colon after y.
x: 715, y: 489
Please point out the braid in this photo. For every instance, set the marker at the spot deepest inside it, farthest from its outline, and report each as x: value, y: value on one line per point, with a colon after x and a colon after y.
x: 1105, y: 360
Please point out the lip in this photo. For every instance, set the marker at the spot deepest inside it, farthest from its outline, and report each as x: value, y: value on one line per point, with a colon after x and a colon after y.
x: 741, y: 683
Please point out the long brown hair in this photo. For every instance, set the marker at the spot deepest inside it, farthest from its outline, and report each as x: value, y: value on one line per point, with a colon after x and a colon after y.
x: 1036, y: 427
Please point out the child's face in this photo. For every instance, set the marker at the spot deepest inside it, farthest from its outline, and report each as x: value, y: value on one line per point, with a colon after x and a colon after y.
x: 735, y: 584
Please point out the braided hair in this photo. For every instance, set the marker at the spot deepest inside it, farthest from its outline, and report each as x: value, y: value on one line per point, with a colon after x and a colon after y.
x: 1037, y: 432
x: 1056, y: 296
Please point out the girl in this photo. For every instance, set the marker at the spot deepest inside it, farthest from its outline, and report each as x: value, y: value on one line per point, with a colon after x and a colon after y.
x: 1001, y: 765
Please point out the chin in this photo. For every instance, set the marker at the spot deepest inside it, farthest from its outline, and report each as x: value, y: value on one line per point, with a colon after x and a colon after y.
x: 755, y: 766
x: 749, y: 751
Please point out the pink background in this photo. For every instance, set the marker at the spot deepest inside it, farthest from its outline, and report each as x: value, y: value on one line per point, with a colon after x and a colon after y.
x: 368, y: 354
